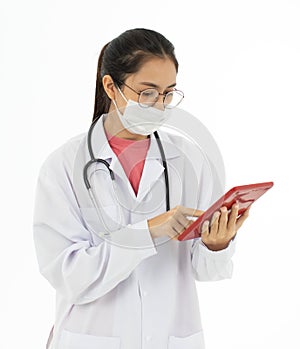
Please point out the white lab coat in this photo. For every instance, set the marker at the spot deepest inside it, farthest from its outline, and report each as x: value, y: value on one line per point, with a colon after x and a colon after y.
x: 130, y: 292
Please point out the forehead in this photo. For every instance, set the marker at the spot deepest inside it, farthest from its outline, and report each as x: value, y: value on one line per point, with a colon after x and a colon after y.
x: 161, y: 71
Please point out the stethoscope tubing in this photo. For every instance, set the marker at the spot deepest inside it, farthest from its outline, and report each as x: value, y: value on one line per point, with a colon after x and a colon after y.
x: 98, y: 160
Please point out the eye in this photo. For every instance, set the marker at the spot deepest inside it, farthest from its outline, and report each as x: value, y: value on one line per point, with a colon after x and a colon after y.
x: 150, y: 93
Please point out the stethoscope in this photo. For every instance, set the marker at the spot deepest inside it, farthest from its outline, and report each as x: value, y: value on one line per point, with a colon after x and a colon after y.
x: 94, y: 160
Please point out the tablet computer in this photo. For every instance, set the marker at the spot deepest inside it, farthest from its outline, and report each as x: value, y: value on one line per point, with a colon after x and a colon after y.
x: 244, y: 195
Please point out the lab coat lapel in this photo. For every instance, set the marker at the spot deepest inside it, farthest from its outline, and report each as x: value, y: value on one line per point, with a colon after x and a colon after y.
x: 118, y: 170
x: 153, y: 168
x: 151, y: 172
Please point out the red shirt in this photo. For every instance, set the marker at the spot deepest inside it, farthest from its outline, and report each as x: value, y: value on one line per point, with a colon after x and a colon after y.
x: 132, y: 155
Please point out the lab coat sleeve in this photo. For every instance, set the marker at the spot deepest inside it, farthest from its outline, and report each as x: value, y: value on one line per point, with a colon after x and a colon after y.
x: 78, y: 269
x: 212, y: 265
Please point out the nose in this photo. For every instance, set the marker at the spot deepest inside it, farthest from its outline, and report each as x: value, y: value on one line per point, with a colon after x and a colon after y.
x: 159, y: 104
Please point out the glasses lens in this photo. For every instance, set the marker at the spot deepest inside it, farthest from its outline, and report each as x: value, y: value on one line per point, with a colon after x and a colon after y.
x: 173, y: 98
x: 148, y: 97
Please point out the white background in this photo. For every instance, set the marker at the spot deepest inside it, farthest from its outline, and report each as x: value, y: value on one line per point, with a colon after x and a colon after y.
x: 240, y: 71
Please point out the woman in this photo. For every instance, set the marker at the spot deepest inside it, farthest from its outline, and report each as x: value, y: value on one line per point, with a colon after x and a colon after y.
x: 122, y: 278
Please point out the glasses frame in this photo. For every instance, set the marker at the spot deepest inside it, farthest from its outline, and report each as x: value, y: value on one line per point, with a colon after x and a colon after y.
x: 159, y: 94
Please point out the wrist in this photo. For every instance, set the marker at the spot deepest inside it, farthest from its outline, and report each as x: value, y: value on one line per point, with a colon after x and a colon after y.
x: 216, y: 247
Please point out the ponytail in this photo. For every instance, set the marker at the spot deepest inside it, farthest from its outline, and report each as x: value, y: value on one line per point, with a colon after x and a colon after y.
x: 102, y: 102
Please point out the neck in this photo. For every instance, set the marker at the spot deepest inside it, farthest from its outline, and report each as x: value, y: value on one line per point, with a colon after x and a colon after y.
x: 113, y: 126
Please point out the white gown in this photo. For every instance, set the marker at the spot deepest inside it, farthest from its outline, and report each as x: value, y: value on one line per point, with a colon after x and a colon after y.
x: 131, y: 291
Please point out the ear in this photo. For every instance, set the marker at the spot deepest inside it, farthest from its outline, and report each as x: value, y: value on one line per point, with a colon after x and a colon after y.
x: 109, y: 86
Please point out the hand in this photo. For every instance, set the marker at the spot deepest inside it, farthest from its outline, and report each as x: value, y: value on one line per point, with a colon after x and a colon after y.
x: 222, y: 230
x: 172, y: 222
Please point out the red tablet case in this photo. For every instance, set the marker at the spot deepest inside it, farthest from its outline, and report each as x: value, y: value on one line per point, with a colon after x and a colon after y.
x: 245, y: 195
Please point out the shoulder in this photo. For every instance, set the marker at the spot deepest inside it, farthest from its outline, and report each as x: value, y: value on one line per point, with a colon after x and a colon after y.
x: 183, y: 145
x: 61, y: 159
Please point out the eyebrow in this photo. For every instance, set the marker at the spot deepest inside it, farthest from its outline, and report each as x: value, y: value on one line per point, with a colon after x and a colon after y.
x: 151, y: 84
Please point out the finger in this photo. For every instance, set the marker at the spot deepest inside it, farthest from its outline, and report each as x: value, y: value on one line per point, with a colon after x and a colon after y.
x: 173, y: 233
x: 205, y: 230
x: 242, y: 219
x: 232, y: 218
x: 215, y: 224
x: 175, y: 237
x: 181, y: 219
x: 176, y: 226
x: 223, y: 220
x: 191, y: 212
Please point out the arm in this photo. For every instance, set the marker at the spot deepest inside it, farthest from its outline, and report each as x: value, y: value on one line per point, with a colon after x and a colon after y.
x: 78, y: 269
x: 211, y: 254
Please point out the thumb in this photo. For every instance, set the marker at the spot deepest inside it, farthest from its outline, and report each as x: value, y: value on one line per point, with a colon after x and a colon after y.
x: 192, y: 212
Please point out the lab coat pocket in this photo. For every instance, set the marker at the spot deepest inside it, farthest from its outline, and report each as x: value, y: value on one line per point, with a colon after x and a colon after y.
x: 71, y: 340
x: 195, y: 341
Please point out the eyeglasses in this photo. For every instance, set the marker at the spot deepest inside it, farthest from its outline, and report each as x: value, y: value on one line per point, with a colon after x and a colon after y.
x: 148, y: 97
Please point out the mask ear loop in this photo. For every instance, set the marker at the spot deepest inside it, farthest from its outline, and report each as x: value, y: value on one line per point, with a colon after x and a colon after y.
x: 115, y: 103
x: 117, y: 108
x: 121, y: 93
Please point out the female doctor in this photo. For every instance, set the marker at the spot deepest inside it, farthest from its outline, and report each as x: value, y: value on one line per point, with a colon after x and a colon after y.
x: 110, y: 204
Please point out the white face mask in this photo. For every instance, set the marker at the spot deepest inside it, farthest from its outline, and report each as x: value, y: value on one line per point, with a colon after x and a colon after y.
x: 139, y: 120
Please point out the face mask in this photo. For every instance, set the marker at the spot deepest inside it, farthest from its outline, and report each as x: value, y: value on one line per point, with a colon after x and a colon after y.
x: 139, y: 120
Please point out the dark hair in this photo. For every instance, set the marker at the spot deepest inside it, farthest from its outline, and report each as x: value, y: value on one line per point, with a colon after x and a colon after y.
x: 125, y: 55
